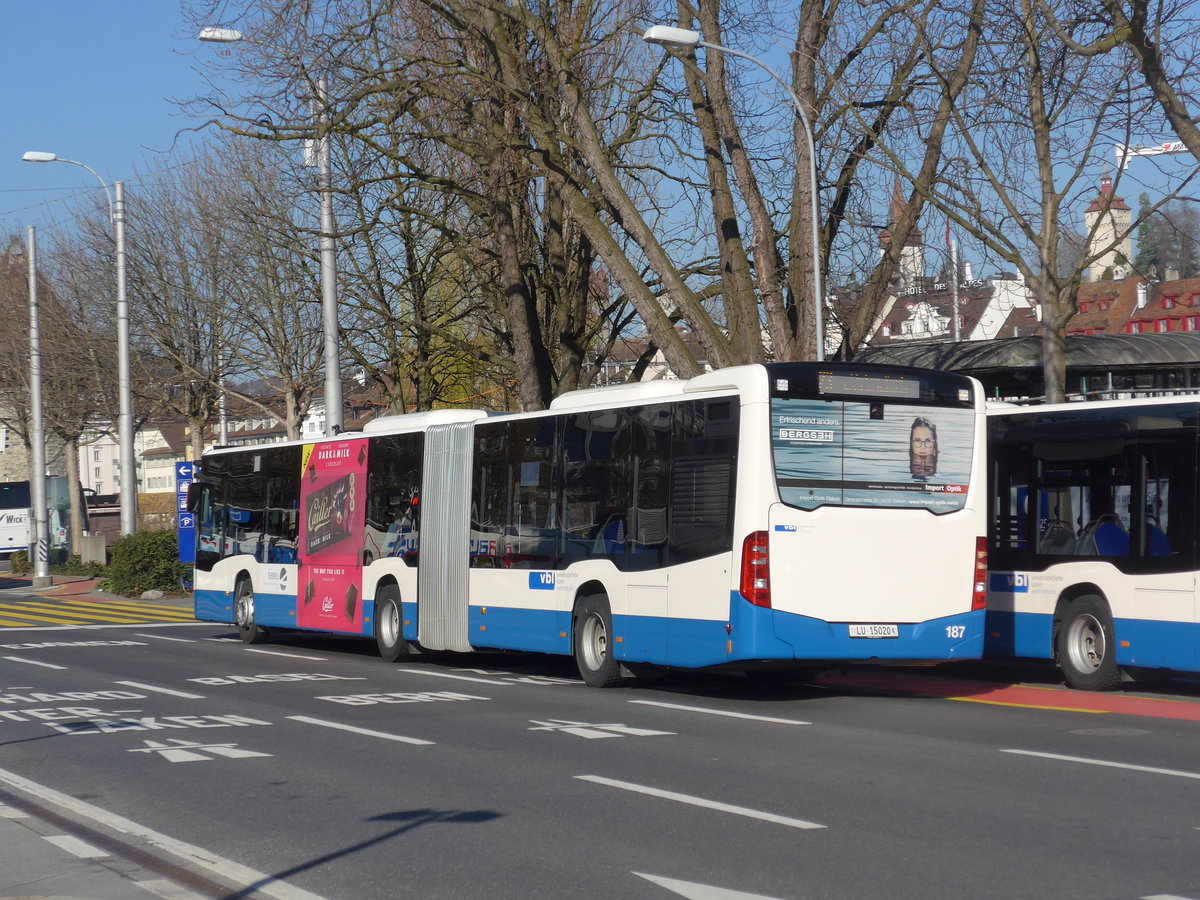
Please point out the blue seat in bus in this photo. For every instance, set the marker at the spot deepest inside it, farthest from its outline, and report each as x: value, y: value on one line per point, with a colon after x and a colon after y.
x: 1112, y: 539
x: 1157, y: 541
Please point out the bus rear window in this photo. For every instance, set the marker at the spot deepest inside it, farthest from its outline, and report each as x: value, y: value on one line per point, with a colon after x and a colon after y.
x: 871, y: 453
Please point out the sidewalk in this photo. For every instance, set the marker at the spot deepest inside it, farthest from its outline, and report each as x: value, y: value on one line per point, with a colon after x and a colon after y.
x: 78, y: 587
x: 32, y: 866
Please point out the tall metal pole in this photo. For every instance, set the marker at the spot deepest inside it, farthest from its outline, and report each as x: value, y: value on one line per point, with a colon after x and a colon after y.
x: 39, y: 525
x: 129, y: 479
x: 334, y: 421
x: 125, y: 450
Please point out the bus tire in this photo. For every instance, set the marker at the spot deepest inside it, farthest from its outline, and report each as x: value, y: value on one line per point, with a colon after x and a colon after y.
x: 593, y: 643
x: 243, y: 614
x: 388, y: 630
x: 1085, y: 645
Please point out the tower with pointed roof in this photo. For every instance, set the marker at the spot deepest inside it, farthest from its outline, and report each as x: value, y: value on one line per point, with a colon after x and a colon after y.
x: 1107, y: 219
x: 912, y: 254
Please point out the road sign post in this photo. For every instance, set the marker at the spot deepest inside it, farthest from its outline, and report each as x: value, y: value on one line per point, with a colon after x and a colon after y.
x: 184, y: 476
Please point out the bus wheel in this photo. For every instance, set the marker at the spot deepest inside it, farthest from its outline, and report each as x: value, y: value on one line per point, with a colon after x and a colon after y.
x: 1085, y: 646
x: 593, y: 643
x: 392, y: 646
x: 243, y: 614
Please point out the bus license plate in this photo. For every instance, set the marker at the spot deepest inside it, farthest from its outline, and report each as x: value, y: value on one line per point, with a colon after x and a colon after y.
x: 874, y: 631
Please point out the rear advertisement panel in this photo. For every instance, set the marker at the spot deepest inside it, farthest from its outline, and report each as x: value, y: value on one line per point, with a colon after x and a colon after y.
x: 851, y: 453
x: 332, y: 517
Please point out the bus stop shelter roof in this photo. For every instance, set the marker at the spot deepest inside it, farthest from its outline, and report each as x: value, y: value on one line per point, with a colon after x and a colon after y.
x: 1091, y: 352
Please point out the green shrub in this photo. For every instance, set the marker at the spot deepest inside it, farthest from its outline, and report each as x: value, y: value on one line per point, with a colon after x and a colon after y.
x: 145, y: 561
x: 20, y: 562
x: 76, y: 566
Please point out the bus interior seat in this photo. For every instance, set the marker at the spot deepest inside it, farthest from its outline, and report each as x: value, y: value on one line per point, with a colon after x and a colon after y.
x: 1057, y: 539
x: 1112, y: 539
x: 1157, y: 542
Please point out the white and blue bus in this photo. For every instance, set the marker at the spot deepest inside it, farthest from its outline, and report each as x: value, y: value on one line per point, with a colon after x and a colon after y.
x: 1093, y: 544
x: 14, y: 517
x: 813, y: 513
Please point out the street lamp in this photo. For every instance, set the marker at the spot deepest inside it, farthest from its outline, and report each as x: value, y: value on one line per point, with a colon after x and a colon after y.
x: 125, y: 450
x: 334, y: 416
x: 669, y: 36
x: 39, y: 526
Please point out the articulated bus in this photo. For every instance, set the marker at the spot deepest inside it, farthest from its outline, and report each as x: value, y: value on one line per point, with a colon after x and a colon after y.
x: 1094, y: 537
x: 812, y: 513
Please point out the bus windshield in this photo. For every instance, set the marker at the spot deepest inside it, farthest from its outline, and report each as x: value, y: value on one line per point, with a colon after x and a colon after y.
x: 893, y: 439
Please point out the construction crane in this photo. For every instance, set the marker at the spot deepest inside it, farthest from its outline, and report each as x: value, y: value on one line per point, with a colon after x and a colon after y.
x: 1124, y: 153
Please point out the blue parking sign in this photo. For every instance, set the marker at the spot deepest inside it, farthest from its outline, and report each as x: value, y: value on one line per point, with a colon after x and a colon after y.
x: 184, y: 476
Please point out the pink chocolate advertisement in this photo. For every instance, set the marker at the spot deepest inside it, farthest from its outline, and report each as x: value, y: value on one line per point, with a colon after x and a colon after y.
x: 332, y: 494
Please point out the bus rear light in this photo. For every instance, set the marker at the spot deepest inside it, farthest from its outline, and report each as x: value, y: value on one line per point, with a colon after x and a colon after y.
x: 979, y: 595
x: 756, y: 570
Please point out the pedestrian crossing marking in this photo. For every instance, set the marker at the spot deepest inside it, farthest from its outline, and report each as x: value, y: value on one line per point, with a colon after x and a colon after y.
x: 74, y: 612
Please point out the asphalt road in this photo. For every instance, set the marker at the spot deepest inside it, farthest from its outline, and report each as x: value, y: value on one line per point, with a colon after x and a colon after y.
x: 308, y: 767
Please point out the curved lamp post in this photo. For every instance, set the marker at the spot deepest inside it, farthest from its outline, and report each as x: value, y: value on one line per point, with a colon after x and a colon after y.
x: 669, y: 36
x: 125, y: 449
x: 334, y: 414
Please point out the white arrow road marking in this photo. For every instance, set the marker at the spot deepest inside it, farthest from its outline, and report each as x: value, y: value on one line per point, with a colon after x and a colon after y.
x: 700, y: 801
x: 585, y: 730
x: 720, y: 712
x: 179, y: 750
x: 694, y: 891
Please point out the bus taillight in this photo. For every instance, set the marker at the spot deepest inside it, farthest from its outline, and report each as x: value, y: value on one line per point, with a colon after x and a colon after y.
x: 979, y: 595
x: 756, y: 572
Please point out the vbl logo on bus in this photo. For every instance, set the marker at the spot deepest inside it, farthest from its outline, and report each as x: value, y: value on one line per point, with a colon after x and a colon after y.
x: 1010, y: 583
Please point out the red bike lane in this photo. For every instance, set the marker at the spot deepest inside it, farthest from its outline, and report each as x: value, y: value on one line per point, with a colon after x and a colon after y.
x: 1056, y: 698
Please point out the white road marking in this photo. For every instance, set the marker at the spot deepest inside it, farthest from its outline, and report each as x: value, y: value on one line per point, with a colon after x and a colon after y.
x: 191, y: 854
x: 456, y: 677
x: 591, y: 731
x: 289, y: 655
x: 178, y: 750
x: 1166, y: 897
x: 75, y: 846
x: 168, y: 890
x: 694, y: 891
x: 163, y: 637
x: 1103, y: 762
x: 721, y: 712
x: 7, y: 812
x: 700, y: 801
x: 34, y: 662
x: 162, y: 690
x: 356, y: 730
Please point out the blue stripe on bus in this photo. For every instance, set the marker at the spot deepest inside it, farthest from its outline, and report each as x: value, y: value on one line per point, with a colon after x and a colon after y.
x: 270, y: 611
x: 753, y: 633
x: 948, y: 638
x: 1008, y: 634
x: 1140, y: 642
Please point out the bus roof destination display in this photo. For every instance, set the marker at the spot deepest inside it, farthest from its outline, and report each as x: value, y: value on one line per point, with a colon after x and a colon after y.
x: 858, y: 384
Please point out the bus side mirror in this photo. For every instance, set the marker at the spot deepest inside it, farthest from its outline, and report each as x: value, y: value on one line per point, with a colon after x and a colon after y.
x: 193, y: 497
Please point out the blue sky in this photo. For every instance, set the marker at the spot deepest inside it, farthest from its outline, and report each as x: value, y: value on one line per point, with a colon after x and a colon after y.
x: 89, y: 80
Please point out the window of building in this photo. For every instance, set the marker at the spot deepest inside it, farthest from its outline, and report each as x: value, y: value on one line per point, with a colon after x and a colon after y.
x: 1134, y: 327
x: 1105, y: 305
x: 1085, y: 305
x: 1162, y: 325
x: 1168, y: 302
